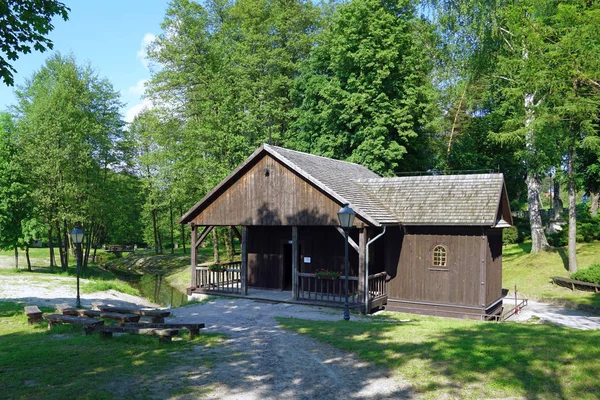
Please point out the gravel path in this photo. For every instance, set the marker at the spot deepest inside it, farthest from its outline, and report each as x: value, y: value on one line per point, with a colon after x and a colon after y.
x: 49, y: 290
x: 269, y: 362
x: 557, y: 315
x: 259, y: 360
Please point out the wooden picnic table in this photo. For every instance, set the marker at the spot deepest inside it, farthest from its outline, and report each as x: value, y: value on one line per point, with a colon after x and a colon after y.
x: 54, y: 319
x: 156, y: 316
x: 101, y: 314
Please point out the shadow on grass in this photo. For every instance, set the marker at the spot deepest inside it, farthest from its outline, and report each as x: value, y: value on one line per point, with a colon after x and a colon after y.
x: 64, y: 363
x: 537, y: 361
x: 562, y: 252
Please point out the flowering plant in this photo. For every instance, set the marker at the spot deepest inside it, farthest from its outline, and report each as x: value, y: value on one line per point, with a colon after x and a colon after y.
x: 217, y: 268
x: 325, y: 273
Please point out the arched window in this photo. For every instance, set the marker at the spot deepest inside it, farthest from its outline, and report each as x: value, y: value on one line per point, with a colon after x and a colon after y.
x: 439, y: 256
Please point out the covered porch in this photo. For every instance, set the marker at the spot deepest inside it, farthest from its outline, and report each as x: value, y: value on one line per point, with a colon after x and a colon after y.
x: 281, y: 264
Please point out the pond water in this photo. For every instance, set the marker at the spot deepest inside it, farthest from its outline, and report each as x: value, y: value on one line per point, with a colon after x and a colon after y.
x: 156, y: 289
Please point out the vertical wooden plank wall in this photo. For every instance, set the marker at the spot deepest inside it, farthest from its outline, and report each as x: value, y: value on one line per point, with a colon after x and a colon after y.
x: 244, y: 272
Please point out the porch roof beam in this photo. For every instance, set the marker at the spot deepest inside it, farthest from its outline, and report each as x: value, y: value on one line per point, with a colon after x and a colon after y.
x: 351, y: 242
x: 203, y: 235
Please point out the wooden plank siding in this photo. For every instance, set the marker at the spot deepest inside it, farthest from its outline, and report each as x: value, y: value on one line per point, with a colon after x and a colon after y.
x: 267, y: 251
x: 415, y: 279
x: 269, y: 193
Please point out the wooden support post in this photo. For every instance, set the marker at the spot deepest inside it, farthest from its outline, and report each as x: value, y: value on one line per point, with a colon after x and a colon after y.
x: 244, y: 272
x: 194, y: 257
x: 362, y: 254
x: 295, y: 259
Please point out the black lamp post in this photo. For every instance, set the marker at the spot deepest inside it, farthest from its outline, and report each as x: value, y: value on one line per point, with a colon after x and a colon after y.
x: 346, y: 217
x: 77, y: 238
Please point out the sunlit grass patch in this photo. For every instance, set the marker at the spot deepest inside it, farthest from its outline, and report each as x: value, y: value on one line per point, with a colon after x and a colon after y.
x: 470, y: 359
x: 531, y: 272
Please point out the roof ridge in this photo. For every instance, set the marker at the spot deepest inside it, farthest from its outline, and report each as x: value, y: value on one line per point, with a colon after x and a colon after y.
x: 312, y: 155
x: 323, y: 186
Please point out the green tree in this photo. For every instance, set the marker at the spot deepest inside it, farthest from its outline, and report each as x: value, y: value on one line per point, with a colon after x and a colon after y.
x: 365, y: 94
x: 15, y: 201
x: 24, y: 24
x: 73, y: 115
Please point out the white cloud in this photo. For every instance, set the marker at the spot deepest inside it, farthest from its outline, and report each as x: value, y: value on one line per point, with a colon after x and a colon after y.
x: 138, y: 89
x: 136, y: 109
x: 142, y: 53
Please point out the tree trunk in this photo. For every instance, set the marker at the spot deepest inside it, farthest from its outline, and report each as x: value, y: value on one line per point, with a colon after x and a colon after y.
x: 16, y: 257
x: 155, y: 227
x: 88, y: 243
x: 61, y: 248
x: 27, y: 257
x: 160, y: 245
x: 215, y: 240
x: 572, y: 213
x: 538, y: 237
x: 172, y: 235
x: 594, y: 202
x: 557, y: 204
x: 51, y: 247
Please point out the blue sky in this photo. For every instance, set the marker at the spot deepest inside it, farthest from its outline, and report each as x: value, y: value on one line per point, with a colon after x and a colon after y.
x: 108, y: 34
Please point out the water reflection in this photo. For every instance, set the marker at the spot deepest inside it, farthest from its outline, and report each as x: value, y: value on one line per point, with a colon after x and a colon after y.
x: 156, y: 289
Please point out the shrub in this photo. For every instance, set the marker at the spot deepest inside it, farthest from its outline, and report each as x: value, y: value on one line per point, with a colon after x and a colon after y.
x: 590, y: 274
x: 510, y: 235
x: 217, y: 268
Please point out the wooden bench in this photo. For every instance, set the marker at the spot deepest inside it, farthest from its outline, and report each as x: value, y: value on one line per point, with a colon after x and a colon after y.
x: 193, y: 329
x: 164, y: 335
x: 572, y: 283
x: 34, y: 314
x: 54, y: 319
x: 156, y: 316
x: 97, y: 314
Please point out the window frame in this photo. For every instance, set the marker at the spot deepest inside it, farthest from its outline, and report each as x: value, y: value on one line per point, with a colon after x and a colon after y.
x: 439, y: 257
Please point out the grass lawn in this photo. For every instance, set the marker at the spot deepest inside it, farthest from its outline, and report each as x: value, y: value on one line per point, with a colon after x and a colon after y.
x: 452, y: 358
x: 63, y: 363
x: 532, y: 272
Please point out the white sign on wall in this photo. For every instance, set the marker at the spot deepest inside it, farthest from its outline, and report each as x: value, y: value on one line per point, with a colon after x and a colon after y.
x: 306, y: 260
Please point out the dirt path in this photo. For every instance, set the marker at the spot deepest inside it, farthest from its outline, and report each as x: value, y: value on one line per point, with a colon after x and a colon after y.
x: 259, y: 360
x: 263, y: 361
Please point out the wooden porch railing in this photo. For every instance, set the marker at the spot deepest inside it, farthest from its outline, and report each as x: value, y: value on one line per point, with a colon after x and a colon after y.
x: 326, y: 290
x: 227, y: 281
x: 378, y: 294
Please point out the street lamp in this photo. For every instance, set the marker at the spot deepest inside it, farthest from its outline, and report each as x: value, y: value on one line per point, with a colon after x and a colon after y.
x: 77, y: 238
x: 346, y: 217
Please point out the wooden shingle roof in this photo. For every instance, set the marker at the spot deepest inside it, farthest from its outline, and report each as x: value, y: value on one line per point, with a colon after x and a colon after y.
x: 418, y: 200
x: 440, y: 199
